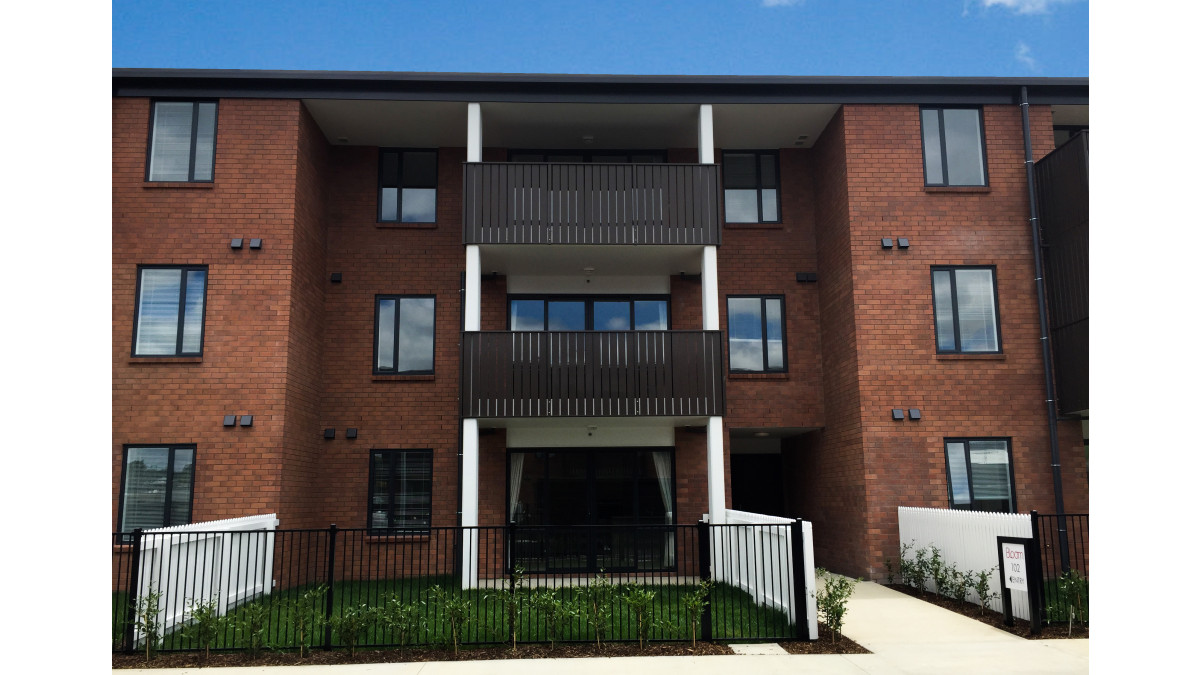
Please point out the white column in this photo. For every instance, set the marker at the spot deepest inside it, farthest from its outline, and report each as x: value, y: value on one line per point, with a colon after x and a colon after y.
x: 472, y: 294
x: 708, y: 297
x: 716, y: 470
x: 705, y: 142
x: 474, y: 133
x: 470, y: 503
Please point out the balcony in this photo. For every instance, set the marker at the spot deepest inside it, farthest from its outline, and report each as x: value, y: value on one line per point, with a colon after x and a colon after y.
x: 592, y: 374
x: 512, y: 203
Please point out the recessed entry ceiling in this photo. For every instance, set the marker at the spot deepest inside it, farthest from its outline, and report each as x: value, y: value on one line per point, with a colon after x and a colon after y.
x: 568, y: 125
x: 607, y: 261
x: 1070, y: 115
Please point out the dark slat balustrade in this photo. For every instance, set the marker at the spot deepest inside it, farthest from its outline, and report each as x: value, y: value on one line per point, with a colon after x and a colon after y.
x: 592, y: 374
x: 534, y: 203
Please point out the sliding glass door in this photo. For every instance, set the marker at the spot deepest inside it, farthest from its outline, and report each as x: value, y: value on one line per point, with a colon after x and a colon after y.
x: 586, y: 509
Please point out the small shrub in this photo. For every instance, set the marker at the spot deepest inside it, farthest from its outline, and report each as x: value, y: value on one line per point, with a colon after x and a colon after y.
x: 205, y: 624
x: 510, y: 597
x: 455, y: 609
x: 353, y: 624
x: 641, y: 602
x: 596, y: 599
x: 1074, y: 587
x: 557, y: 613
x: 981, y: 583
x: 251, y: 623
x: 958, y: 583
x: 938, y: 572
x: 831, y: 599
x: 891, y: 571
x: 694, y: 603
x: 919, y: 572
x: 147, y: 620
x: 300, y: 616
x: 402, y: 620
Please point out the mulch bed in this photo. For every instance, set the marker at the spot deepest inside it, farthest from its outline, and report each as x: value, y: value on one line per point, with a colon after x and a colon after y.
x: 995, y: 619
x: 844, y: 645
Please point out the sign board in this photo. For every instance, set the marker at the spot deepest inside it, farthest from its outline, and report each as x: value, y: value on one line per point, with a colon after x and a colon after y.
x: 1014, y: 566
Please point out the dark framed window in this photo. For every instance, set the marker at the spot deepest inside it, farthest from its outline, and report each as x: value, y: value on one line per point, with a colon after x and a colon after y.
x: 588, y: 156
x: 965, y: 310
x: 156, y: 486
x: 408, y: 186
x: 751, y: 181
x: 169, y: 315
x: 757, y: 341
x: 952, y: 140
x: 979, y: 472
x: 401, y: 492
x: 183, y: 138
x: 404, y: 330
x: 593, y: 312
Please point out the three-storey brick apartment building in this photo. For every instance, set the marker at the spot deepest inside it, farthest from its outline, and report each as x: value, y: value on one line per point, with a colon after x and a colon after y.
x: 404, y: 300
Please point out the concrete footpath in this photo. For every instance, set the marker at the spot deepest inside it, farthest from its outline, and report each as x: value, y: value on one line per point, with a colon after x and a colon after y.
x: 906, y: 635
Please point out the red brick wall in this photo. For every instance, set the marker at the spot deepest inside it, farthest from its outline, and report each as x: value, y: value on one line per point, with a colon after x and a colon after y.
x: 244, y: 369
x: 392, y: 411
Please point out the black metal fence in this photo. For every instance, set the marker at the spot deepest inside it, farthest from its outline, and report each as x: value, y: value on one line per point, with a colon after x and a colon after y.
x: 282, y: 588
x: 1062, y: 540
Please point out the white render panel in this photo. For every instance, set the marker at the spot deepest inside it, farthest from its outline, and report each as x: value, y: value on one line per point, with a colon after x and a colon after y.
x: 474, y: 133
x: 472, y: 303
x: 705, y: 136
x: 716, y: 470
x: 709, y: 292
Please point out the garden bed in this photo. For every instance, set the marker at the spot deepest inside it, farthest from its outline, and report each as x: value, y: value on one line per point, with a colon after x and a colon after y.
x: 993, y: 618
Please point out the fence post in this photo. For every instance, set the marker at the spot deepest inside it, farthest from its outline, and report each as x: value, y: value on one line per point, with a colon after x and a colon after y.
x: 799, y: 590
x: 135, y: 557
x: 1036, y: 529
x: 1037, y: 592
x: 702, y: 534
x: 329, y: 586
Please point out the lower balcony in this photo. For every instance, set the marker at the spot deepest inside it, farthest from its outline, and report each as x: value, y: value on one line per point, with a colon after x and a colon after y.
x: 592, y: 374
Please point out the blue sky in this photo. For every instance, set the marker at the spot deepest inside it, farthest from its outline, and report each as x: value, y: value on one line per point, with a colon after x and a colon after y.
x: 1016, y: 38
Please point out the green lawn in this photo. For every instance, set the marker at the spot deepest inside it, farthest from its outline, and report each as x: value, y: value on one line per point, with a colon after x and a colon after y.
x: 734, y: 616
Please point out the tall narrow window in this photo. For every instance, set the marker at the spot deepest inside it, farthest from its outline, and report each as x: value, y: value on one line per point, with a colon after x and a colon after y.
x: 756, y: 334
x: 404, y: 335
x: 182, y: 141
x: 964, y: 306
x: 169, y: 317
x: 401, y: 492
x: 156, y: 486
x: 751, y: 186
x: 980, y: 474
x: 952, y: 139
x: 408, y: 186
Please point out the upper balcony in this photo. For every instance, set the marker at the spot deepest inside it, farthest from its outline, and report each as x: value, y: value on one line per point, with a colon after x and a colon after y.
x: 590, y: 204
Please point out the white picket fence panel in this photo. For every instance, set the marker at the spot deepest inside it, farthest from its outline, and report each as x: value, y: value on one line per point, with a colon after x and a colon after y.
x: 758, y: 560
x: 966, y: 539
x: 230, y: 561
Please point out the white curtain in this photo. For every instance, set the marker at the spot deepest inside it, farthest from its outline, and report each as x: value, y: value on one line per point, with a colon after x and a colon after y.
x: 515, y: 470
x: 662, y: 468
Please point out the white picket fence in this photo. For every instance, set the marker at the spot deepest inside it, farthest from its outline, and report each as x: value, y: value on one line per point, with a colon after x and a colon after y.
x: 230, y: 561
x: 758, y: 560
x: 966, y: 539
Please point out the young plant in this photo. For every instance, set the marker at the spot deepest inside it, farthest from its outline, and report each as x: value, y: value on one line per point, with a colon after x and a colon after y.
x: 510, y: 597
x: 959, y: 584
x: 455, y: 609
x: 905, y: 564
x: 919, y: 572
x: 832, y: 597
x: 251, y: 623
x: 300, y: 615
x: 981, y: 584
x: 1073, y: 585
x: 206, y: 623
x: 891, y: 571
x: 641, y: 603
x: 353, y: 625
x: 597, y: 599
x: 147, y: 620
x: 401, y: 619
x: 694, y: 603
x: 938, y: 572
x: 557, y: 612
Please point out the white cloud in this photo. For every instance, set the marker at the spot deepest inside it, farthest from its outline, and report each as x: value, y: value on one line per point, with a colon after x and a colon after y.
x: 780, y: 3
x: 1025, y: 6
x: 1025, y: 55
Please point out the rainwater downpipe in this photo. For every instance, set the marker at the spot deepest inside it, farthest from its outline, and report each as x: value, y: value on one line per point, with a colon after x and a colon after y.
x: 1040, y: 280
